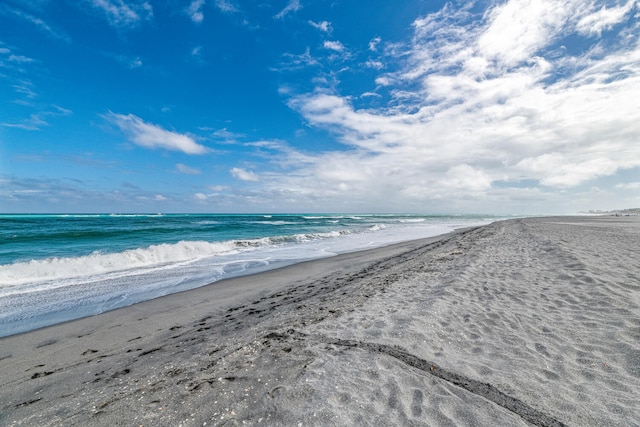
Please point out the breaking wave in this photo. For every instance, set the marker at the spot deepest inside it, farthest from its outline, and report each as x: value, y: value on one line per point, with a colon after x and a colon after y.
x: 154, y: 256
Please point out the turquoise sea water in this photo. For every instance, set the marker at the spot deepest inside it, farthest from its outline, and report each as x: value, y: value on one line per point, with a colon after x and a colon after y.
x: 55, y: 268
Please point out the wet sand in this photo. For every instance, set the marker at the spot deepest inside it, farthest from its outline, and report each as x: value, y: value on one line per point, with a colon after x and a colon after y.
x: 521, y: 322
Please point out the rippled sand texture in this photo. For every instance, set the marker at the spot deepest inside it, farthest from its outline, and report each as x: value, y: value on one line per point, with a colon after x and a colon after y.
x: 547, y: 311
x: 522, y: 322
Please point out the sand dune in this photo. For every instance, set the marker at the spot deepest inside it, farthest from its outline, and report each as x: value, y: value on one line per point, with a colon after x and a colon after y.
x: 522, y: 322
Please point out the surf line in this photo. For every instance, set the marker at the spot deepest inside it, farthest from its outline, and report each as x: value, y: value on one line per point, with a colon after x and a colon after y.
x: 478, y: 388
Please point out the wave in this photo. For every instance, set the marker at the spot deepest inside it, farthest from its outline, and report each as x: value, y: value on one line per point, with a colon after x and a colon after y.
x: 280, y: 222
x: 377, y: 227
x: 136, y: 215
x: 99, y: 263
x: 354, y: 217
x: 154, y: 256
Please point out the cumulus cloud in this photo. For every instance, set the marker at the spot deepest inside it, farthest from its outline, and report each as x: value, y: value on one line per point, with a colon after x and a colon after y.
x: 153, y: 136
x: 377, y: 65
x: 195, y: 11
x: 323, y: 26
x: 244, y: 175
x: 334, y: 45
x: 480, y: 103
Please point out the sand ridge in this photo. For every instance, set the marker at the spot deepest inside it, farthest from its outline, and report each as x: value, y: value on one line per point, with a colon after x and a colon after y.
x: 522, y: 322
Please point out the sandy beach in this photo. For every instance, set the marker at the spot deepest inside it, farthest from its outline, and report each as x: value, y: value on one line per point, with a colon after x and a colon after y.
x: 521, y: 322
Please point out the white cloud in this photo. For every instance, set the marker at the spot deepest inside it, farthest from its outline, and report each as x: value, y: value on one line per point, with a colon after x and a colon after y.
x: 34, y: 122
x: 226, y: 6
x: 481, y: 103
x: 557, y: 170
x: 604, y: 19
x: 373, y: 44
x: 334, y: 45
x: 184, y: 169
x: 466, y: 178
x: 153, y: 136
x: 60, y: 111
x: 196, y: 55
x: 122, y: 14
x: 292, y: 6
x: 226, y: 136
x: 39, y: 23
x: 519, y: 28
x: 244, y: 175
x: 20, y: 59
x: 38, y: 120
x: 324, y: 26
x: 294, y: 62
x: 195, y: 11
x: 135, y: 62
x: 376, y: 65
x: 383, y: 81
x: 629, y: 186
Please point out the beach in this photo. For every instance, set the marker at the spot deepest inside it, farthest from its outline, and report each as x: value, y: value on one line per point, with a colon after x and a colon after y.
x: 521, y: 322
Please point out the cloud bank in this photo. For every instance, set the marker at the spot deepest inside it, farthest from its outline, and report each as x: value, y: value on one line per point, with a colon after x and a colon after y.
x: 521, y: 101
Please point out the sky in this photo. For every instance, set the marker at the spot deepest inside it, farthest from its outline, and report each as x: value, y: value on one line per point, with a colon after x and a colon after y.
x: 422, y: 106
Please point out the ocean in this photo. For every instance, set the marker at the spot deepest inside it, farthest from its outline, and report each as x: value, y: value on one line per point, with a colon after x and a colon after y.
x: 55, y: 268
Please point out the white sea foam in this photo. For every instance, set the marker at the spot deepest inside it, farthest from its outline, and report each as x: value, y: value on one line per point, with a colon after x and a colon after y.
x: 100, y: 263
x: 377, y: 227
x: 155, y: 256
x: 280, y: 222
x: 176, y: 254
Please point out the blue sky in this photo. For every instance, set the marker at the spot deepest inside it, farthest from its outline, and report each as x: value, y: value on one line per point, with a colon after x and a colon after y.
x: 516, y: 106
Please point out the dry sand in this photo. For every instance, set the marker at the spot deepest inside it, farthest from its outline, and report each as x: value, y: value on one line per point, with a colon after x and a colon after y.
x: 521, y: 322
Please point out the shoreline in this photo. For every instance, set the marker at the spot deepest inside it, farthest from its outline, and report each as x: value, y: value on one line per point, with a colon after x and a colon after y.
x: 252, y: 283
x: 528, y: 309
x: 53, y: 301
